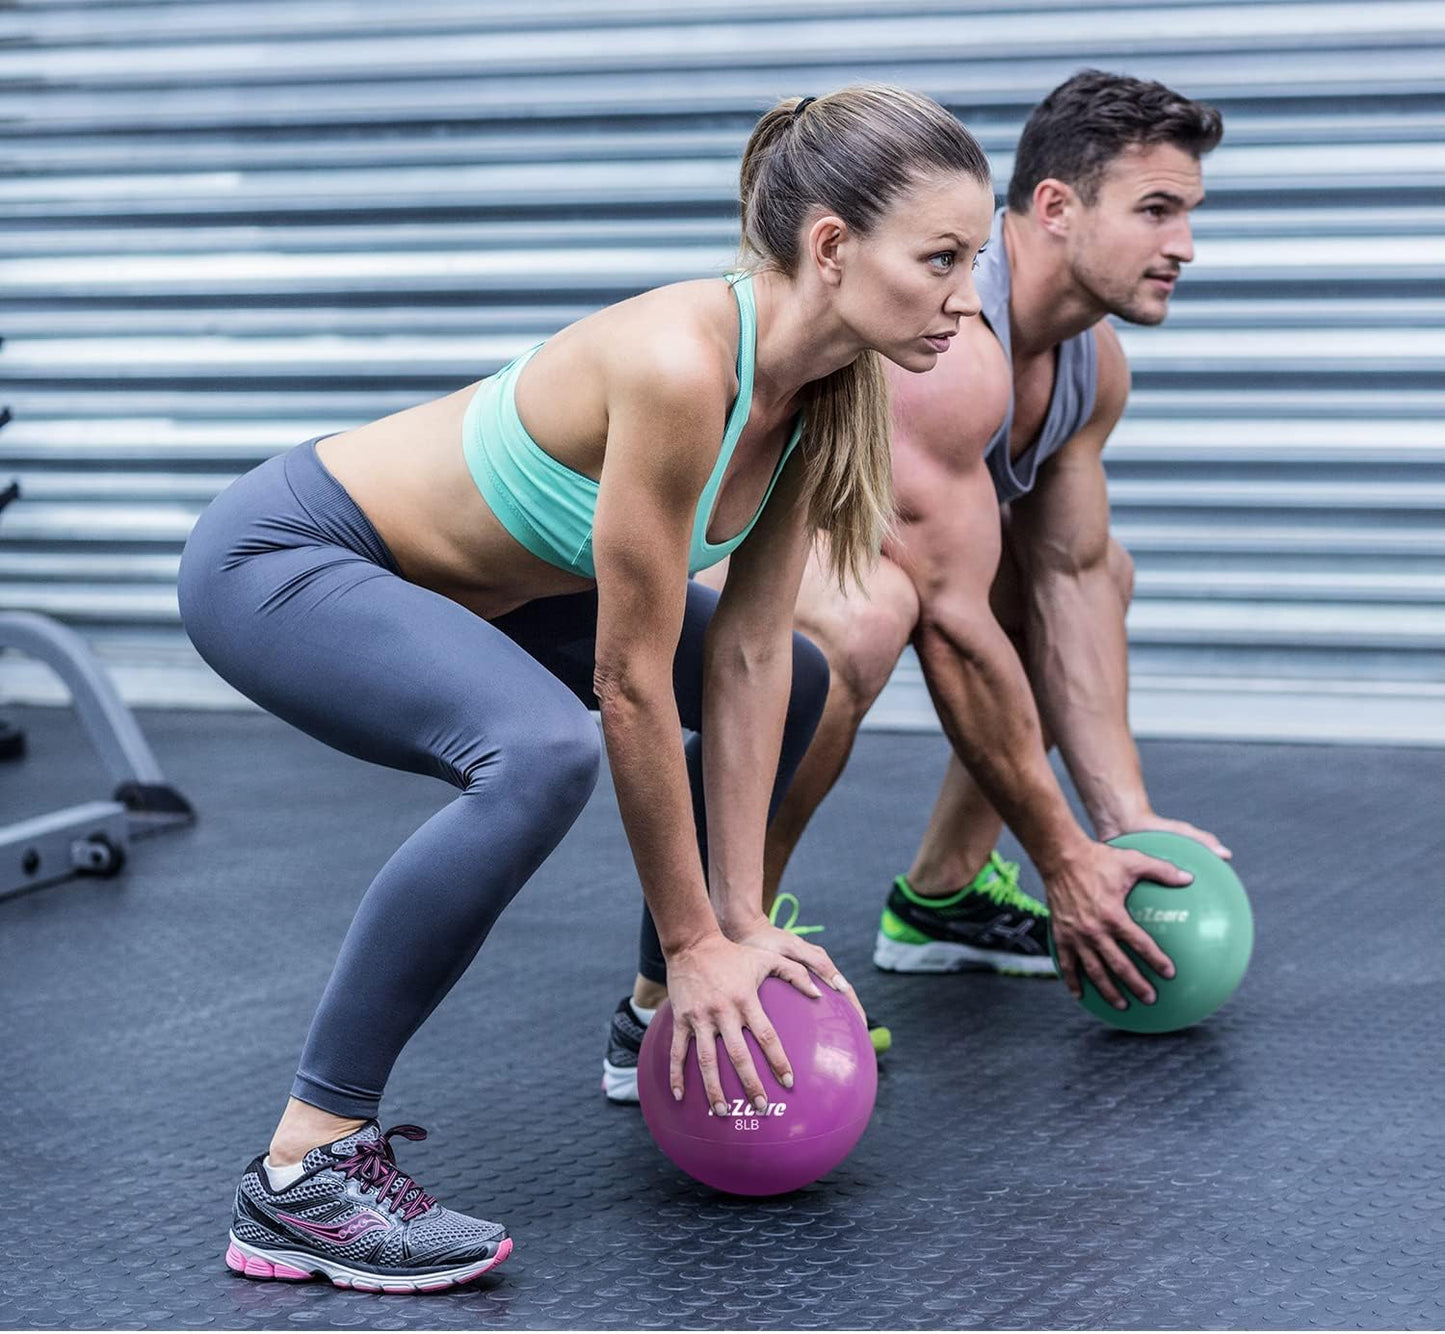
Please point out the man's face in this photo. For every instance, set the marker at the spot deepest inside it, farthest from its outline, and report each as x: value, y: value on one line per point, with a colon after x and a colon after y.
x: 1132, y: 241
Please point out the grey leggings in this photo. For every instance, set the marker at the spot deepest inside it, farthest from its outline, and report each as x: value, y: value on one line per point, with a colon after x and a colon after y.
x: 290, y: 594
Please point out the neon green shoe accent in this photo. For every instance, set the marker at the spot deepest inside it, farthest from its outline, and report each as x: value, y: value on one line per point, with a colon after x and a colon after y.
x: 895, y: 928
x: 997, y: 880
x: 923, y: 901
x: 791, y: 925
x: 881, y: 1038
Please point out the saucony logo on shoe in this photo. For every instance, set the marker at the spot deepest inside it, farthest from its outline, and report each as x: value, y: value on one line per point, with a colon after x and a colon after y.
x: 356, y: 1226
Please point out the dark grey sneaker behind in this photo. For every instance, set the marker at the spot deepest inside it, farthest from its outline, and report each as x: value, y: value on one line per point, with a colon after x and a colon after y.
x: 988, y: 924
x: 355, y: 1218
x: 624, y: 1044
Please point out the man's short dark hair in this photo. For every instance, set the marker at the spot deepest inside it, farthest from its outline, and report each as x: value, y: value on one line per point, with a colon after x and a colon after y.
x: 1088, y: 121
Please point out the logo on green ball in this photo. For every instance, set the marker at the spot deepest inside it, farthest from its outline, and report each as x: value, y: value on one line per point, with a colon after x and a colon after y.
x: 1159, y: 914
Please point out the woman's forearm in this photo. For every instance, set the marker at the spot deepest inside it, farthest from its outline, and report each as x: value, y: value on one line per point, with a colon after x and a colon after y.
x: 745, y: 702
x: 642, y: 734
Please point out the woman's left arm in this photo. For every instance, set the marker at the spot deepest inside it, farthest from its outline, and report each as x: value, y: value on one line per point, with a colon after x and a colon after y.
x: 747, y: 681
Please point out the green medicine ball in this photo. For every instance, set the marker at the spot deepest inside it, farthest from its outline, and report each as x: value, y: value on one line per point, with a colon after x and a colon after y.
x: 1206, y: 928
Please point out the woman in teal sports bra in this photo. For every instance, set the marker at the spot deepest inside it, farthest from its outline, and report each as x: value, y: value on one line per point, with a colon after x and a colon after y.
x: 549, y: 508
x: 449, y: 590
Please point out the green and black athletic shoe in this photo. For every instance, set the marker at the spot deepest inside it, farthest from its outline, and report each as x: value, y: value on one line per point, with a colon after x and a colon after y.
x: 880, y: 1035
x: 989, y: 923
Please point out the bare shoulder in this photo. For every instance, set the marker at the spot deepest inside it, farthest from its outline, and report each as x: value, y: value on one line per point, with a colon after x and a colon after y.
x: 668, y: 377
x: 673, y: 345
x: 662, y: 362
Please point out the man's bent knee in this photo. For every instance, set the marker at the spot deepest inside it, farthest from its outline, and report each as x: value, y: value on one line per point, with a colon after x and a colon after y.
x: 863, y: 636
x: 811, y: 677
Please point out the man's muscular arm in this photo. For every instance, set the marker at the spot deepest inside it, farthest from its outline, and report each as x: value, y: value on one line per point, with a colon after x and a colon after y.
x: 1076, y: 638
x: 973, y: 673
x: 985, y: 703
x: 1077, y: 644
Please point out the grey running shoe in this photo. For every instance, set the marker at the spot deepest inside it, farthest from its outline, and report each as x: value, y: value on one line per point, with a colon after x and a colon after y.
x: 355, y: 1218
x: 624, y: 1043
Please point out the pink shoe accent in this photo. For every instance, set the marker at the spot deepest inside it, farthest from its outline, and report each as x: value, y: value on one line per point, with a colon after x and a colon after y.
x: 254, y: 1267
x: 503, y: 1251
x: 266, y: 1269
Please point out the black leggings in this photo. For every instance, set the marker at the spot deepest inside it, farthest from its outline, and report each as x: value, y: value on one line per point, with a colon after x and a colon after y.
x: 290, y: 594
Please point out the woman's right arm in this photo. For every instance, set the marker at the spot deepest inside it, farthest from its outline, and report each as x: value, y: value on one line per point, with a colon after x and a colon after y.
x: 666, y: 416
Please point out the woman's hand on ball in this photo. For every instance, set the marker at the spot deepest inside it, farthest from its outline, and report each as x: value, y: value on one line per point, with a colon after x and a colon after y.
x: 713, y: 986
x: 763, y: 935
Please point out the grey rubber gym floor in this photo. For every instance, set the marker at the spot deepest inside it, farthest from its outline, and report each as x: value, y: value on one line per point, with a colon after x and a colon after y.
x: 1278, y: 1166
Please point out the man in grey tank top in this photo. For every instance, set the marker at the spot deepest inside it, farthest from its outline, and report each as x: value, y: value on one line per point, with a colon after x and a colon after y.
x: 1003, y: 572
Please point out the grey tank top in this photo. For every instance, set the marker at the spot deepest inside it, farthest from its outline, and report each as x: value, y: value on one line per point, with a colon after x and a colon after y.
x: 1076, y: 381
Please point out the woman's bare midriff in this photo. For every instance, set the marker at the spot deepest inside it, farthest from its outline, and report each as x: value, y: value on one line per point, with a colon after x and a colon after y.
x: 408, y: 475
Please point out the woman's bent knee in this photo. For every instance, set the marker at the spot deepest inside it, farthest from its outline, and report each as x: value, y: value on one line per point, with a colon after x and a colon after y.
x: 565, y: 757
x: 548, y: 755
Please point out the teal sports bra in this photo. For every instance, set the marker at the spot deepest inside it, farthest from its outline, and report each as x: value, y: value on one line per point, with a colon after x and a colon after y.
x: 548, y: 507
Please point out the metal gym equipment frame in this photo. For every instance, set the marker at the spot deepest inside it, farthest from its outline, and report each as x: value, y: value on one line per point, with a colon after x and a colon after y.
x: 94, y: 837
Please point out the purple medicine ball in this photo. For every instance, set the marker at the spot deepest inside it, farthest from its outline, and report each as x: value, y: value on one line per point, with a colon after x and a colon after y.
x: 806, y: 1131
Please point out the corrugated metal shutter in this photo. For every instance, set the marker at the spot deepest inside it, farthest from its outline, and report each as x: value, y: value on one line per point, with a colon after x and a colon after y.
x: 227, y: 226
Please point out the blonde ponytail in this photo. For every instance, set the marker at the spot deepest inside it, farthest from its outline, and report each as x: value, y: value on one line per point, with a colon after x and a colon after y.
x: 847, y: 449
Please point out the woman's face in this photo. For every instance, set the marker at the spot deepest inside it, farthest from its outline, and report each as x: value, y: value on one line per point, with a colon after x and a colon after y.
x: 904, y: 288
